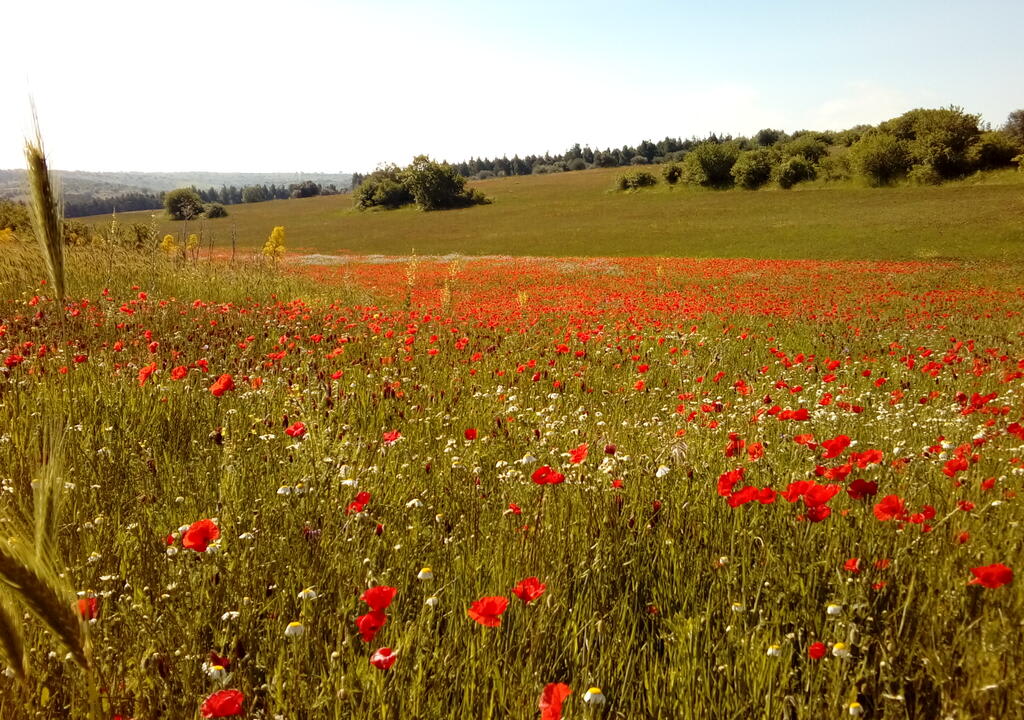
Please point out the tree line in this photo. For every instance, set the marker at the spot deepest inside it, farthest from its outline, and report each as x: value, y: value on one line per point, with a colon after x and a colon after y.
x: 82, y: 205
x: 922, y: 145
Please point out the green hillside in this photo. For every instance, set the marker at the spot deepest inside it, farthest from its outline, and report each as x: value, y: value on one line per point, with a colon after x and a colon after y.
x: 578, y: 214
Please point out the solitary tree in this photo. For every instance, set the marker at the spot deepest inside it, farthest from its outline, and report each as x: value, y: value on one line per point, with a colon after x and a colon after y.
x: 183, y: 204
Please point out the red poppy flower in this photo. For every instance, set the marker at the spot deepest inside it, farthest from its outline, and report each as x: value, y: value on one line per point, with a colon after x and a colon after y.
x: 727, y: 480
x: 379, y: 597
x: 868, y: 457
x: 469, y: 433
x: 391, y: 436
x: 578, y: 454
x: 755, y: 451
x: 992, y: 576
x: 891, y: 507
x: 223, y: 703
x: 835, y: 446
x: 817, y: 513
x: 860, y: 489
x: 546, y: 476
x: 742, y: 497
x: 817, y: 651
x: 146, y: 372
x: 735, y: 445
x: 295, y: 430
x: 179, y: 372
x: 88, y: 608
x: 529, y: 589
x: 383, y: 658
x: 370, y: 624
x: 852, y: 565
x: 551, y: 699
x: 199, y: 535
x: 488, y: 610
x: 222, y: 384
x: 359, y: 504
x: 817, y: 495
x: 514, y: 509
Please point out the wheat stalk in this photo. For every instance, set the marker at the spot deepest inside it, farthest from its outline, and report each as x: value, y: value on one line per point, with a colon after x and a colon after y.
x: 47, y: 214
x: 12, y: 642
x: 45, y: 596
x: 46, y: 502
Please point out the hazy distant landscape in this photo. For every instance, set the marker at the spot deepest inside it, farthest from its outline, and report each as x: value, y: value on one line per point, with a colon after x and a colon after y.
x: 13, y: 184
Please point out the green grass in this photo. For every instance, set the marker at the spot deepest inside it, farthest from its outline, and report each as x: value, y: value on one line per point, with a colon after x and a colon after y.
x: 657, y: 591
x: 577, y: 214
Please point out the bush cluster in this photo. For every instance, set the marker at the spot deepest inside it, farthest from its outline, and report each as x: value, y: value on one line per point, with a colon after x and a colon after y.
x: 636, y: 179
x: 429, y: 184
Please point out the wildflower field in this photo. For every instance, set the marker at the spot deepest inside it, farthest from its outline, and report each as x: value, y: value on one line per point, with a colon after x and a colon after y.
x: 511, y: 488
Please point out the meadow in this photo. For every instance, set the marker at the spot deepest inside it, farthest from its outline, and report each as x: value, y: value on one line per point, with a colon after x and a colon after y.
x: 578, y: 214
x: 579, y: 487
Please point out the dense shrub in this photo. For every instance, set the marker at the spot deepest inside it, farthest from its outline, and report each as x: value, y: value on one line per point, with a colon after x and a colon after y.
x: 993, y: 150
x: 215, y: 210
x: 15, y: 216
x: 578, y: 164
x: 880, y: 157
x: 793, y: 170
x: 835, y: 167
x: 672, y: 173
x: 1014, y: 127
x: 710, y: 164
x: 753, y: 168
x: 383, y: 188
x: 806, y: 146
x: 767, y: 137
x: 183, y: 204
x: 438, y: 186
x: 636, y: 180
x: 924, y: 174
x: 941, y: 138
x: 638, y: 160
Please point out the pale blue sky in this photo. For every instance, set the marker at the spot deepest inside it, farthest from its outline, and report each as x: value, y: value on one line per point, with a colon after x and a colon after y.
x: 326, y: 85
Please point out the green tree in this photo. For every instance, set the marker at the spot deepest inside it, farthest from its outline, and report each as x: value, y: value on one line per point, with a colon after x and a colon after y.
x: 880, y: 157
x: 767, y: 137
x: 1014, y: 127
x: 941, y: 138
x: 385, y: 188
x: 753, y: 168
x: 709, y: 164
x: 793, y: 170
x: 438, y: 186
x: 183, y: 204
x: 806, y: 146
x: 672, y: 173
x: 994, y: 149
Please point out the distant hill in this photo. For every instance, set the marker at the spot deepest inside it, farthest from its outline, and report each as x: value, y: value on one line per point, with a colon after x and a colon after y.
x: 108, y: 184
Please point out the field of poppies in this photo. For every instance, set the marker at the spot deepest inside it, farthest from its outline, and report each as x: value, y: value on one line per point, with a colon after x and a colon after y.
x: 511, y: 488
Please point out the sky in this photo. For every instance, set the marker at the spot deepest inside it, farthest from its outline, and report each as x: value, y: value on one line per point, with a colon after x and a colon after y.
x: 338, y: 86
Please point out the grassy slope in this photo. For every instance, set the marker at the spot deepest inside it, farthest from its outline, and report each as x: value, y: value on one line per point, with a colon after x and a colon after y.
x: 576, y: 214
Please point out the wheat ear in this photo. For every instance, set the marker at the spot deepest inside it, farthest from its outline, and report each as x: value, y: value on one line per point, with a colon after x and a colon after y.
x: 47, y: 214
x: 12, y: 642
x: 45, y: 596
